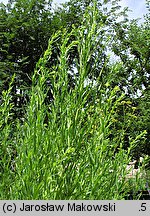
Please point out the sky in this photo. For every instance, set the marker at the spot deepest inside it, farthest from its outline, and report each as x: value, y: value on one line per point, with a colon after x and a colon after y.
x: 137, y: 6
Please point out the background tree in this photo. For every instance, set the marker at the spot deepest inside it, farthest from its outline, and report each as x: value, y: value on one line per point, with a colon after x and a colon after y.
x: 26, y: 29
x: 131, y: 45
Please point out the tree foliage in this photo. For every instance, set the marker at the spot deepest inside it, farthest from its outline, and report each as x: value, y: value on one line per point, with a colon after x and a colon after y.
x: 26, y: 28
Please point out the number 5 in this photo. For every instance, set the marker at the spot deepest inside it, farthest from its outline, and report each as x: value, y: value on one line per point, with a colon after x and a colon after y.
x: 143, y: 207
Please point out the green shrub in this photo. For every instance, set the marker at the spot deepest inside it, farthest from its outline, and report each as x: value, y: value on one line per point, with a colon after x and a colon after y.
x: 63, y: 148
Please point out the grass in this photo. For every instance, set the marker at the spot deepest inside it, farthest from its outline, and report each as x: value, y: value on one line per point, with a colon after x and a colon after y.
x: 62, y: 149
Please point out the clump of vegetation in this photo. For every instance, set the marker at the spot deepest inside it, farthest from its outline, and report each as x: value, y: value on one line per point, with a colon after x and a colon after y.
x: 63, y: 148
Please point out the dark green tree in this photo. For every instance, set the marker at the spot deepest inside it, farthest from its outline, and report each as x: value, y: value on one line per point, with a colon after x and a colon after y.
x: 131, y: 45
x: 26, y: 29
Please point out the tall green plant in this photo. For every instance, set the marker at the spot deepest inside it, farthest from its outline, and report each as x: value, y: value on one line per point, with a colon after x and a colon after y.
x: 64, y: 150
x: 7, y: 147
